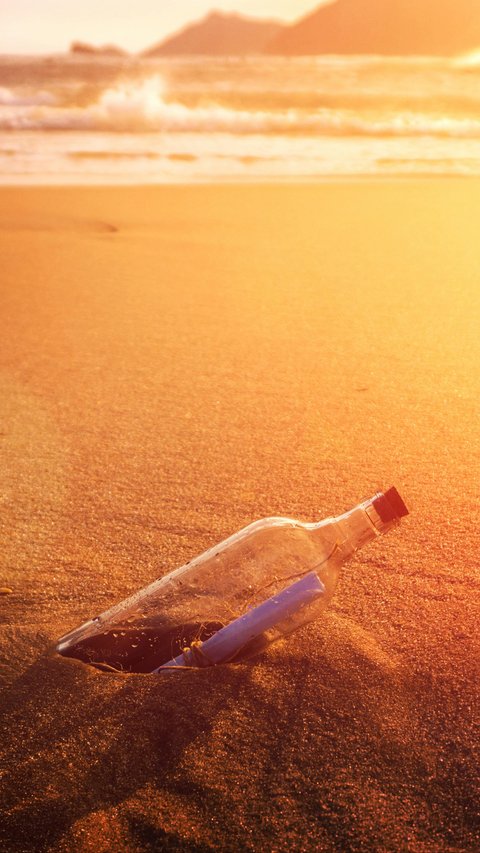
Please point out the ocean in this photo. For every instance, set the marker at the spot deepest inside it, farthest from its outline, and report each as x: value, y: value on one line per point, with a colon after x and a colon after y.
x: 82, y: 120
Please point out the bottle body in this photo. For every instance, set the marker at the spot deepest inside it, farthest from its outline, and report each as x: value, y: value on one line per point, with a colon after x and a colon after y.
x: 196, y: 600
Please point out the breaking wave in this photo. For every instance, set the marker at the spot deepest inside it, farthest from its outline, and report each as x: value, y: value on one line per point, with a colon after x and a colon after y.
x: 144, y: 106
x: 260, y: 119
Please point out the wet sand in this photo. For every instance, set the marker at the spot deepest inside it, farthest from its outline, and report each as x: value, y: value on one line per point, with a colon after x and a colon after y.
x: 176, y: 362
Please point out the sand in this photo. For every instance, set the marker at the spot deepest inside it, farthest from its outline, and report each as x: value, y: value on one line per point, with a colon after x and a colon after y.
x: 176, y: 362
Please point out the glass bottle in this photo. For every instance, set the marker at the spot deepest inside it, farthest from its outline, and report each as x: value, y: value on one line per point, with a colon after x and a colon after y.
x: 263, y: 560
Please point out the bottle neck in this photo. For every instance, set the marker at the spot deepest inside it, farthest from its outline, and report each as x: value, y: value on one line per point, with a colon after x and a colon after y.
x: 368, y: 513
x: 358, y: 526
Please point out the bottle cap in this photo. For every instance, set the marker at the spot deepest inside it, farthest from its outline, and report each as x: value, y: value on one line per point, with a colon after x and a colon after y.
x: 390, y: 505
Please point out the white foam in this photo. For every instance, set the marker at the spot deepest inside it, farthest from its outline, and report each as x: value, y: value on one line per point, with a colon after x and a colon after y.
x: 144, y: 106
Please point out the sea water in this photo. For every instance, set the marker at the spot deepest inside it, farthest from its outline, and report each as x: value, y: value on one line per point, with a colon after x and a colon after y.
x: 71, y: 119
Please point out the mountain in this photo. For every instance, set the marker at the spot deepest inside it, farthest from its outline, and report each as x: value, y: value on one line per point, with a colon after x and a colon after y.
x: 388, y: 27
x: 219, y: 34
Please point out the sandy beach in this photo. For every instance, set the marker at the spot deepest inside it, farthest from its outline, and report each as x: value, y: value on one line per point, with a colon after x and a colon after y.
x: 175, y: 363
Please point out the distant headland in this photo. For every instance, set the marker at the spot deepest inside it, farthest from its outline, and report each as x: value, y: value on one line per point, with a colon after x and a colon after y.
x: 219, y: 34
x: 397, y: 27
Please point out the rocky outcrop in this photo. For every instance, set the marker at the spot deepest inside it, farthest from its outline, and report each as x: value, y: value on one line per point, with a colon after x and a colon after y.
x: 81, y: 48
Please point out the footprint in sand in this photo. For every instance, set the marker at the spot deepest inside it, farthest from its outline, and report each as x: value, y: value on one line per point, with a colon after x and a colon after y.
x: 44, y: 222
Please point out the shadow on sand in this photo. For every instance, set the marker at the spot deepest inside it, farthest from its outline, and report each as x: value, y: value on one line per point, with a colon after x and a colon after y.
x: 310, y: 742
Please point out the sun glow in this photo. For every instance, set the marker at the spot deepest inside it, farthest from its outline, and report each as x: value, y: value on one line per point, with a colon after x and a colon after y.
x: 468, y: 60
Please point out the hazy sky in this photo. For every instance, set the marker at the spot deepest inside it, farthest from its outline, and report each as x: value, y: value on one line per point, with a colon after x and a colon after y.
x: 37, y: 26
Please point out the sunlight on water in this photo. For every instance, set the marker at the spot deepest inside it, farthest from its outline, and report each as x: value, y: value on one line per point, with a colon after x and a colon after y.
x: 64, y: 119
x: 468, y: 60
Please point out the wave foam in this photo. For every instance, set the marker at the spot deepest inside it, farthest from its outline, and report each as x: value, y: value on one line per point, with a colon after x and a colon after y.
x: 143, y: 106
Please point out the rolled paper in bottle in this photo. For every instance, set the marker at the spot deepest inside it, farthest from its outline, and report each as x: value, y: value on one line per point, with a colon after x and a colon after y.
x: 228, y: 641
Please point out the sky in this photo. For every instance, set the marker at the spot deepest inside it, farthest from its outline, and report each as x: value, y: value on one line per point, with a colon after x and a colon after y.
x: 43, y: 26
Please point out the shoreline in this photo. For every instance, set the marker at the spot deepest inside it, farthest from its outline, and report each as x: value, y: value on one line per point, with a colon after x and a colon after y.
x: 247, y: 182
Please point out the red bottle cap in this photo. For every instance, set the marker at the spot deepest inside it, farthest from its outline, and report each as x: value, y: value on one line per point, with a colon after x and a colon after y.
x: 390, y: 505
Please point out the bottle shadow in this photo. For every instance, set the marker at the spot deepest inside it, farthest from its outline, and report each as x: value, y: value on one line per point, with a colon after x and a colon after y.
x: 79, y: 741
x: 152, y: 751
